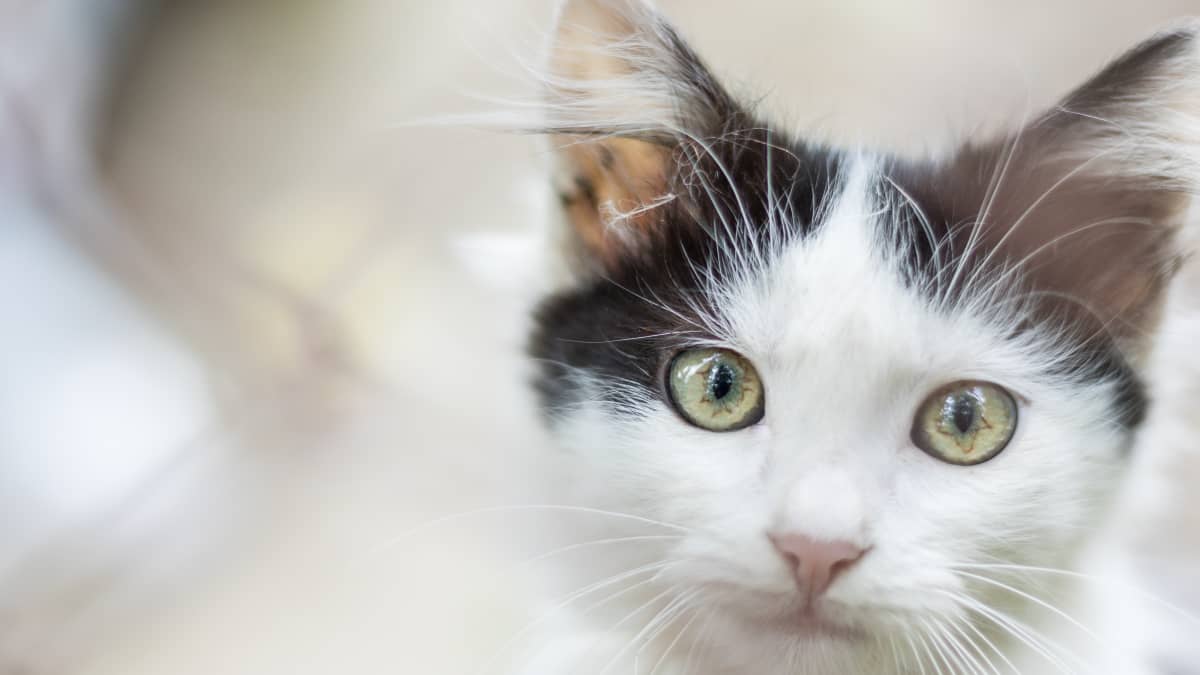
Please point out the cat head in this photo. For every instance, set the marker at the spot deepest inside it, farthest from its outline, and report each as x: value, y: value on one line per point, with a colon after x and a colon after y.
x: 847, y: 380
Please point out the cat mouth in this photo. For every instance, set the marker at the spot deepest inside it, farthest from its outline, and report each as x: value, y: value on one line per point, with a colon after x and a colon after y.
x: 819, y: 620
x: 813, y: 623
x: 808, y: 621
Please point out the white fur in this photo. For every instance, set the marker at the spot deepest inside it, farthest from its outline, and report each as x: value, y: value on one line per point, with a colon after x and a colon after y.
x: 846, y: 353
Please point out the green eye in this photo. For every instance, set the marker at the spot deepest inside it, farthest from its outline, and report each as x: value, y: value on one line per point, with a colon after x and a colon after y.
x: 966, y: 422
x: 715, y: 389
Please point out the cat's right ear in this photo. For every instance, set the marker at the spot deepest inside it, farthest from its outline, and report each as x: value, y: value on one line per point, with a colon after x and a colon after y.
x: 623, y: 94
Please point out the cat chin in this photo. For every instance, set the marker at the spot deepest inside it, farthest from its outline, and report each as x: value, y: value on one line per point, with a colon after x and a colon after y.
x: 811, y: 626
x: 749, y: 645
x: 789, y: 619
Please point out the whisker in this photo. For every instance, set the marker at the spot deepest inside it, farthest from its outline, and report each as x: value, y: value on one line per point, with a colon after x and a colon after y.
x: 628, y: 617
x: 998, y: 246
x: 959, y: 644
x: 657, y: 304
x: 949, y: 648
x: 733, y: 186
x: 1034, y: 599
x: 529, y: 507
x: 633, y: 338
x: 1018, y: 630
x: 1144, y: 594
x: 933, y: 661
x: 912, y: 647
x: 1018, y: 267
x: 678, y: 636
x: 667, y: 619
x: 993, y: 190
x: 703, y: 635
x: 932, y: 633
x: 601, y: 542
x: 938, y: 646
x: 895, y: 653
x: 991, y: 645
x: 571, y: 598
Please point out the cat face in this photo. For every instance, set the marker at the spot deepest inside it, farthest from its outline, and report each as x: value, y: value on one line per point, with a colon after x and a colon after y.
x: 847, y: 355
x: 841, y: 380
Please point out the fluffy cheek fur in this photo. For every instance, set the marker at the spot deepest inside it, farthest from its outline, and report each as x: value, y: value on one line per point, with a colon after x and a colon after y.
x: 922, y: 519
x: 844, y: 373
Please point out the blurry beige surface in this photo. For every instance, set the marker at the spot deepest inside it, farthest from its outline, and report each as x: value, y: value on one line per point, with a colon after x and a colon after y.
x: 265, y: 149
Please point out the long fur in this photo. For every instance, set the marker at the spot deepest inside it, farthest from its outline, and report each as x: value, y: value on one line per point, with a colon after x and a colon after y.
x: 856, y: 282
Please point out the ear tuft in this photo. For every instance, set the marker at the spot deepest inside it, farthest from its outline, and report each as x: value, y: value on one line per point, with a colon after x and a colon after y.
x: 617, y: 66
x: 1139, y: 118
x: 623, y: 93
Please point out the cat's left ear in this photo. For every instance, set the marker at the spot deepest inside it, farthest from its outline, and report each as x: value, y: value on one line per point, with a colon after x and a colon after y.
x: 624, y: 93
x: 1090, y: 200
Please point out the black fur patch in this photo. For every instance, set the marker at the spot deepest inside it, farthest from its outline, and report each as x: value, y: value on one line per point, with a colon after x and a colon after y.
x: 623, y: 323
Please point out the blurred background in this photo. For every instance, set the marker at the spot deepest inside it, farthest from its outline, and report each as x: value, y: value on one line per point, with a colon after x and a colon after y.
x: 241, y: 359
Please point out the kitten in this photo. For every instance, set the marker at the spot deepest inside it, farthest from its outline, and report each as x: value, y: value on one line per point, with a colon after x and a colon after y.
x: 846, y: 412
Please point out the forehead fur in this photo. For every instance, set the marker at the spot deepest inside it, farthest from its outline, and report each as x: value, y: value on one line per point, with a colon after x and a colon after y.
x: 820, y: 264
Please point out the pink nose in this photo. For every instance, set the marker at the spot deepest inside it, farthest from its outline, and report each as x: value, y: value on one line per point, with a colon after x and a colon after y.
x: 815, y: 564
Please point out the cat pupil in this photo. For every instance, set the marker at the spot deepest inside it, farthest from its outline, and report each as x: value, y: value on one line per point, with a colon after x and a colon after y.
x: 963, y: 413
x: 721, y: 381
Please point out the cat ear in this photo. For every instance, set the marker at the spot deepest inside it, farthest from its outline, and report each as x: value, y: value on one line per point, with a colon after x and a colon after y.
x: 623, y: 92
x: 1090, y: 199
